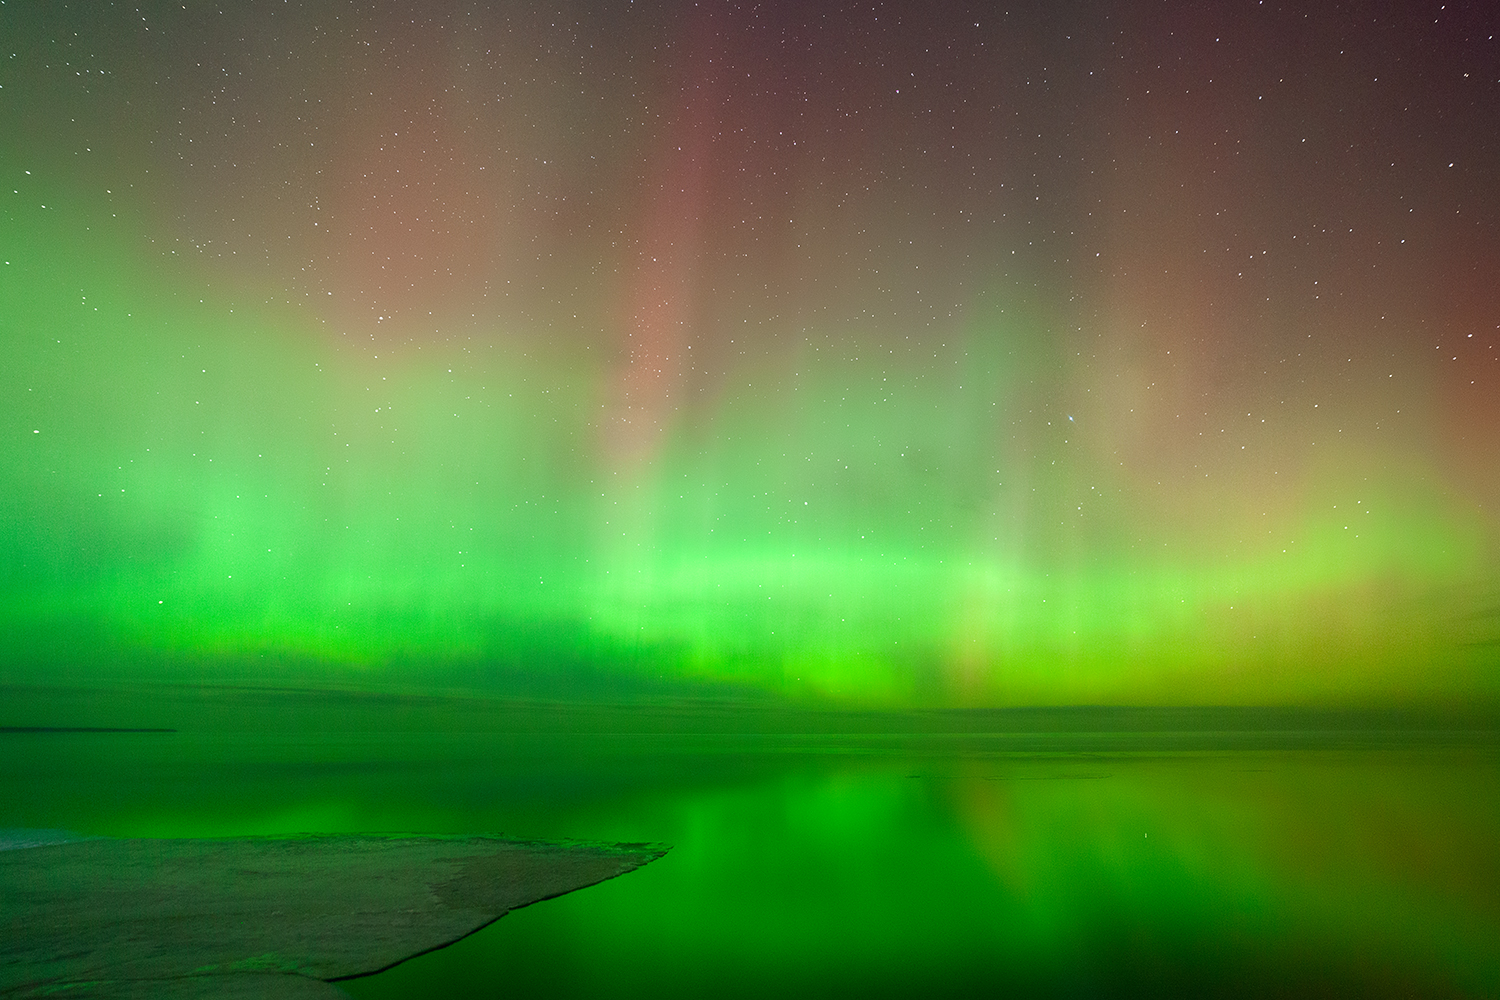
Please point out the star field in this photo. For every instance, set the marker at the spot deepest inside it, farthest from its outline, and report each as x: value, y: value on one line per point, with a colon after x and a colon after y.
x: 1095, y: 351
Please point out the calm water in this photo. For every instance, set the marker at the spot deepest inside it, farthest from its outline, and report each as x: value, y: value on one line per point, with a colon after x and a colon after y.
x: 809, y: 865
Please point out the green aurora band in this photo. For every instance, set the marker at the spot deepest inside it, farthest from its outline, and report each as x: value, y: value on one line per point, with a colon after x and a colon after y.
x: 186, y: 481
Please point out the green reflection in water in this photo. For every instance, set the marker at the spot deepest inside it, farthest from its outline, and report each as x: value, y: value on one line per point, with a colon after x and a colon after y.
x: 1308, y: 873
x: 883, y: 865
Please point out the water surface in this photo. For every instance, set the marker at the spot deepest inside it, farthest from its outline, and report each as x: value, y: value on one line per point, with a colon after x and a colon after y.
x: 1135, y: 862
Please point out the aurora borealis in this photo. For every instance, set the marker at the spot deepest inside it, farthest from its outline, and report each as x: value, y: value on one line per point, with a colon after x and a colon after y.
x: 1119, y: 353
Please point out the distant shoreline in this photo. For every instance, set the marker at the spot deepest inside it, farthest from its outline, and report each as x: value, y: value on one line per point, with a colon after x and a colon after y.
x: 79, y: 729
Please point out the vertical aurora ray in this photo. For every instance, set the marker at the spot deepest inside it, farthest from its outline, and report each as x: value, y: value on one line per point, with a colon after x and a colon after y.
x: 1043, y: 357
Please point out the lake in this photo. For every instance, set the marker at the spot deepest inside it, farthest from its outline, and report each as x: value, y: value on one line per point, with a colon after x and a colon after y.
x: 1163, y: 857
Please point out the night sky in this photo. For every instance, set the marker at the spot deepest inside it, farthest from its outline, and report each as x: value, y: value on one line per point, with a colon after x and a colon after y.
x: 895, y: 354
